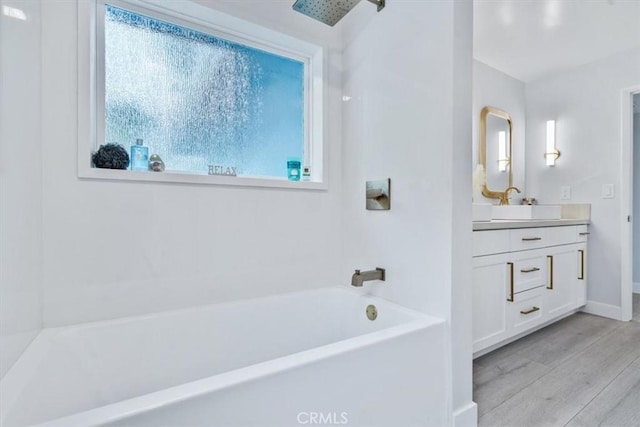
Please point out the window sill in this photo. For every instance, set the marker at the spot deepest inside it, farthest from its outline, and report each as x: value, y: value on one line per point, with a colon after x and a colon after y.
x: 191, y: 178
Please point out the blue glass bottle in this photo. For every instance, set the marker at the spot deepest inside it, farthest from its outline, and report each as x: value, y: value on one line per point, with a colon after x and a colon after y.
x: 139, y: 156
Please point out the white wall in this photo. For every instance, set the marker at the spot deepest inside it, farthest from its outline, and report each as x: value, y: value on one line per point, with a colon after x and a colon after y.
x: 586, y: 104
x: 636, y: 197
x: 496, y: 89
x: 407, y: 73
x: 20, y: 181
x: 113, y: 249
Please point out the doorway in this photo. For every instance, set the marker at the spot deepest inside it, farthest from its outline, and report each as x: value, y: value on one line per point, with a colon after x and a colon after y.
x: 630, y: 237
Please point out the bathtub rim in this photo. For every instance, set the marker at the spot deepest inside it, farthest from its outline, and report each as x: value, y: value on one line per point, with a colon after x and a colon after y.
x: 17, y: 378
x: 361, y: 293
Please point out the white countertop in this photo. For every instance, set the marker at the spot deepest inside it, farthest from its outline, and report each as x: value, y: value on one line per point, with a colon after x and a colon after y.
x: 499, y: 224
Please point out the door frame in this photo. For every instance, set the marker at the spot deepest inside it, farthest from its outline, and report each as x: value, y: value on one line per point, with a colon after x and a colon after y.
x: 626, y: 201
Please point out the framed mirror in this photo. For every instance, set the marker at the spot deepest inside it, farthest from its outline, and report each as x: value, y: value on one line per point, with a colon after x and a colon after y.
x: 496, y: 150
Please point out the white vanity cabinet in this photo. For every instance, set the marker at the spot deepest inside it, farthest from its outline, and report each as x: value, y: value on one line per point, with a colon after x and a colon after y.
x: 523, y: 278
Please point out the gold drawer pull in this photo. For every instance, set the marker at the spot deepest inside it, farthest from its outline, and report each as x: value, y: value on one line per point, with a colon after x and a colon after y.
x: 550, y: 258
x: 584, y: 233
x: 531, y: 239
x: 529, y: 270
x: 510, y: 298
x: 533, y: 310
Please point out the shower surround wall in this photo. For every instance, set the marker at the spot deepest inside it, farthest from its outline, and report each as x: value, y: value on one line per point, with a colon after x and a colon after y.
x: 586, y: 104
x: 115, y: 249
x: 407, y: 92
x: 20, y: 180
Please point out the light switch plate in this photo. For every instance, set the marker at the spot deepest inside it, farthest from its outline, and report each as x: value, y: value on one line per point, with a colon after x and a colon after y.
x: 565, y: 192
x: 608, y: 191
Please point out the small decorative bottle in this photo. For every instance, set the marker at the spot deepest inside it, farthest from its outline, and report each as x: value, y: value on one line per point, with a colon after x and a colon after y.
x: 155, y: 163
x: 139, y: 156
x: 306, y: 173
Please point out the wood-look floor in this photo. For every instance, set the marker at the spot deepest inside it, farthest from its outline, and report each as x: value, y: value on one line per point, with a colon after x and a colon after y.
x: 581, y: 371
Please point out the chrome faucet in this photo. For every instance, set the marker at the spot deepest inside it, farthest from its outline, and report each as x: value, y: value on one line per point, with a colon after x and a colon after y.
x: 504, y: 196
x: 360, y: 277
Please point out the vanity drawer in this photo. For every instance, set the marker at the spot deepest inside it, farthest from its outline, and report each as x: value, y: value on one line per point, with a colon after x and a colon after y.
x: 529, y: 238
x: 490, y: 242
x: 526, y: 310
x: 582, y: 232
x: 529, y: 273
x: 532, y: 238
x: 562, y: 235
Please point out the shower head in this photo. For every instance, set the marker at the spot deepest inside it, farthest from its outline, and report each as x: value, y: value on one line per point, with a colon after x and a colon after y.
x: 329, y: 11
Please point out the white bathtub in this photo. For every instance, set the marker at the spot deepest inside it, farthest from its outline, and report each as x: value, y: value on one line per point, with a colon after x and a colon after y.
x: 306, y: 358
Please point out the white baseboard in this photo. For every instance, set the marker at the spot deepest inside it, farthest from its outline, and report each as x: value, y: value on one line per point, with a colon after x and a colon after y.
x: 636, y: 287
x: 466, y: 416
x: 604, y: 310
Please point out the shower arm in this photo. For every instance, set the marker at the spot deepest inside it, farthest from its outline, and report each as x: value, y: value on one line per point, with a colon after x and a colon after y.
x: 379, y: 3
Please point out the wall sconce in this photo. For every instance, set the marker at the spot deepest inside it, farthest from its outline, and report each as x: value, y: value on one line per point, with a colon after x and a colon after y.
x: 552, y: 153
x: 503, y: 159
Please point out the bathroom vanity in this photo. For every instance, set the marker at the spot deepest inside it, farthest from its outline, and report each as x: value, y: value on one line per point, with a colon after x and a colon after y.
x: 526, y: 274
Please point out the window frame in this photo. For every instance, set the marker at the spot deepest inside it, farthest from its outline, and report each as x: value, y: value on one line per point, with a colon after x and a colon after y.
x: 91, y: 88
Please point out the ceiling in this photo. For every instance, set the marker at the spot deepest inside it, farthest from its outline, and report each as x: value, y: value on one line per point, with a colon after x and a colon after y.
x: 530, y: 39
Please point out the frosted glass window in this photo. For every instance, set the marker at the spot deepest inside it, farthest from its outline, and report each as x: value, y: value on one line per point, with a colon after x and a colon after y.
x: 198, y: 100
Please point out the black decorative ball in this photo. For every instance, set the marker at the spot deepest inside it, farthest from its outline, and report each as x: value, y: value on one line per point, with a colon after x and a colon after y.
x: 111, y: 156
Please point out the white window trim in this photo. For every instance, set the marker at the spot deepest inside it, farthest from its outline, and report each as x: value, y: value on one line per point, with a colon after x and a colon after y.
x: 200, y: 18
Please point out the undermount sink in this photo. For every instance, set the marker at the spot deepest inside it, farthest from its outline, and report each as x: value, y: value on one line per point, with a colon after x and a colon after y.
x: 526, y: 212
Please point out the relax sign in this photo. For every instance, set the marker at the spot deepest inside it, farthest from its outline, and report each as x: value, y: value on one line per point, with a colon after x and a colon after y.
x: 222, y: 170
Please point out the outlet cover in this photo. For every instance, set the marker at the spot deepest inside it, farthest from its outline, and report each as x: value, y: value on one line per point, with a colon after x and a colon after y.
x: 565, y: 193
x: 608, y: 191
